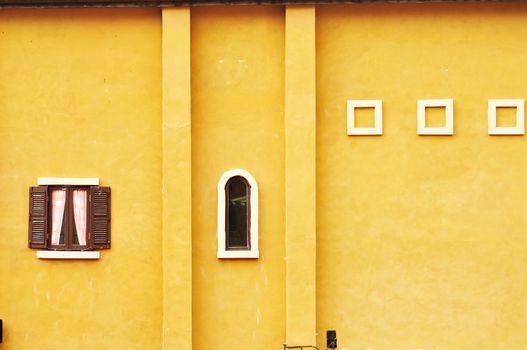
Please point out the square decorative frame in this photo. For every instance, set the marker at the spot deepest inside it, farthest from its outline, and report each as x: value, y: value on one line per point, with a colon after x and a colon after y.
x: 519, y: 129
x: 376, y: 105
x: 448, y: 129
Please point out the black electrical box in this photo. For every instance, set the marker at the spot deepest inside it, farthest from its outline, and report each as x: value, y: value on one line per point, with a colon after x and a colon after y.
x: 331, y: 339
x: 1, y: 331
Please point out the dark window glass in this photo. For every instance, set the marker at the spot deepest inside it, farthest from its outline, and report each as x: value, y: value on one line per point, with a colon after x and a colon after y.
x: 63, y: 230
x: 237, y: 214
x: 75, y: 236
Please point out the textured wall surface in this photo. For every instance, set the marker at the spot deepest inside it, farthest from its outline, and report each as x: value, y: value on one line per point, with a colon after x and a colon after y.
x: 421, y: 239
x: 80, y: 96
x: 237, y: 122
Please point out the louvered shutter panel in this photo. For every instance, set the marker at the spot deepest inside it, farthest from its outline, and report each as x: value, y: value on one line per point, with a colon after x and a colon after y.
x: 100, y: 217
x: 38, y: 217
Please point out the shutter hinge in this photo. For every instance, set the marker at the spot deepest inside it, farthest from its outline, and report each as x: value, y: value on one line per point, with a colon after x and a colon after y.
x: 89, y: 198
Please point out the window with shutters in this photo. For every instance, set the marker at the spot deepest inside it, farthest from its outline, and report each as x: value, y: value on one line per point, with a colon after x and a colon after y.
x: 237, y: 215
x: 69, y: 217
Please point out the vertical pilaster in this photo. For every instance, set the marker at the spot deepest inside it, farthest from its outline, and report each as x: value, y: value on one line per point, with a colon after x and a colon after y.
x: 177, y: 219
x: 300, y: 174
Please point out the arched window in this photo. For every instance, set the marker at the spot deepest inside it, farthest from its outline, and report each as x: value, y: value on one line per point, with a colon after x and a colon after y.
x: 237, y: 215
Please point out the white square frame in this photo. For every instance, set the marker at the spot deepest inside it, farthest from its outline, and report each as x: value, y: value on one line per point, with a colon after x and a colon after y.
x: 448, y: 105
x: 70, y: 181
x: 519, y: 129
x: 377, y: 126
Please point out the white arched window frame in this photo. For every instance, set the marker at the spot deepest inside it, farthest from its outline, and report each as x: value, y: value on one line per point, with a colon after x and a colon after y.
x: 252, y: 252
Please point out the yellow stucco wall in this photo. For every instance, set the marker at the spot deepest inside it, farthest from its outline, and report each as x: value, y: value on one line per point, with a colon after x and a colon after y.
x: 421, y: 240
x: 237, y: 122
x: 80, y: 96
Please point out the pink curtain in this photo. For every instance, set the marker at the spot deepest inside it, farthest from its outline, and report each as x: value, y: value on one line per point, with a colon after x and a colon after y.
x: 79, y: 213
x: 58, y: 200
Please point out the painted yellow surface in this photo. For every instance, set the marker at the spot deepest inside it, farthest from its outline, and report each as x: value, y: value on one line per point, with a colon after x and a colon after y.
x: 397, y: 241
x: 421, y: 240
x: 177, y: 196
x: 300, y: 171
x: 80, y: 96
x: 238, y: 122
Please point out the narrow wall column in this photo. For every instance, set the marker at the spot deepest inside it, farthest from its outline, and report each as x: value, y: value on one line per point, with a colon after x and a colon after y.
x: 177, y: 220
x: 300, y: 175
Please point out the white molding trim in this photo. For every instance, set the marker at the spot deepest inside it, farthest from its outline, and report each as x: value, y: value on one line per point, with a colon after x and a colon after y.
x: 72, y: 255
x: 223, y: 253
x: 377, y: 126
x: 519, y: 129
x: 448, y: 129
x: 75, y: 181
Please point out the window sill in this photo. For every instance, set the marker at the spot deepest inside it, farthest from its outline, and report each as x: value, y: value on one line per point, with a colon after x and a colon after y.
x: 238, y: 254
x: 54, y: 254
x: 72, y: 181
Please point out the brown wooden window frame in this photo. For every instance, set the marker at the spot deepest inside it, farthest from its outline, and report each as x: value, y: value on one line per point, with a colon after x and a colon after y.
x: 68, y: 220
x: 247, y: 213
x: 98, y: 218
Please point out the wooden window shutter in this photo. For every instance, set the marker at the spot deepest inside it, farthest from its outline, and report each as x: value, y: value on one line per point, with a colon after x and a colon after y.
x: 100, y: 217
x: 38, y: 217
